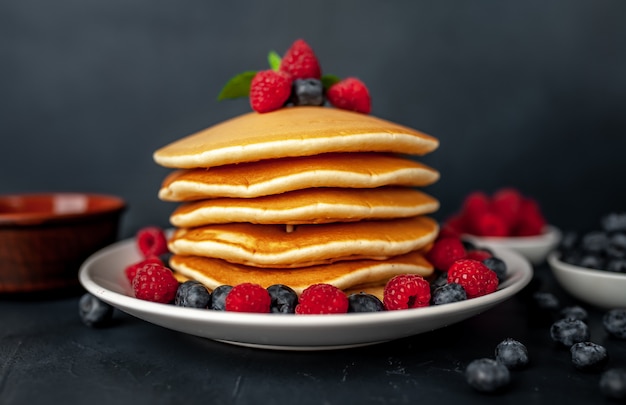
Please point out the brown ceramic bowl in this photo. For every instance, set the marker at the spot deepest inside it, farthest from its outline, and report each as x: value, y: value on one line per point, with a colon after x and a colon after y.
x: 44, y: 238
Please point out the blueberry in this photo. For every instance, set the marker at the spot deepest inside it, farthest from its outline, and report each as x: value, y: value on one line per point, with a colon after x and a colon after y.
x: 592, y: 261
x: 569, y: 331
x: 439, y: 281
x: 94, y: 312
x: 568, y: 241
x: 512, y: 354
x: 448, y: 293
x: 218, y: 301
x: 614, y: 222
x: 192, y: 294
x: 613, y: 383
x: 574, y: 312
x: 497, y: 265
x: 546, y: 300
x: 595, y: 241
x: 487, y: 375
x: 614, y: 322
x: 616, y: 266
x: 588, y: 356
x: 468, y: 245
x: 284, y: 299
x: 307, y: 92
x: 617, y: 246
x: 364, y: 302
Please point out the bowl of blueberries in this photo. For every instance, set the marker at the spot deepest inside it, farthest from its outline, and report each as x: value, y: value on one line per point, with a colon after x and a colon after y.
x: 591, y: 266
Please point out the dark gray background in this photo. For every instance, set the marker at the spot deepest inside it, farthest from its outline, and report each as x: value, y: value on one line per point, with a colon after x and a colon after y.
x: 530, y: 94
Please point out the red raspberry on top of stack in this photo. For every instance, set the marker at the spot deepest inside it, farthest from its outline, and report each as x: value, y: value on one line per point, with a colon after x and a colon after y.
x: 505, y: 213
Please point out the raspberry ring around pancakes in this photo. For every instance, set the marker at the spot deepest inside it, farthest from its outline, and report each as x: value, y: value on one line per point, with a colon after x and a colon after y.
x: 295, y: 131
x: 307, y: 245
x: 274, y: 176
x: 309, y: 206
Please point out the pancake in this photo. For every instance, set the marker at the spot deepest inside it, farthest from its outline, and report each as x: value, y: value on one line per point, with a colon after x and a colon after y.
x: 297, y: 131
x: 310, y: 206
x: 307, y: 245
x: 215, y: 272
x: 274, y: 176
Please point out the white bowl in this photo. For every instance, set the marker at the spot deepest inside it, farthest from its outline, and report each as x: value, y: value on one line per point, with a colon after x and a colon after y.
x: 533, y: 248
x: 600, y: 288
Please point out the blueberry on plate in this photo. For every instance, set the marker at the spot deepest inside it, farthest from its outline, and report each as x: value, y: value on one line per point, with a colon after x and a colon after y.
x: 218, y: 300
x: 364, y: 302
x: 452, y: 292
x: 94, y: 312
x: 192, y: 294
x: 487, y: 375
x: 497, y: 265
x: 283, y: 299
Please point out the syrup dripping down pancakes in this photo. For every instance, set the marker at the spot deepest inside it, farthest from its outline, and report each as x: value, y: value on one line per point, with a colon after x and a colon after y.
x: 300, y: 196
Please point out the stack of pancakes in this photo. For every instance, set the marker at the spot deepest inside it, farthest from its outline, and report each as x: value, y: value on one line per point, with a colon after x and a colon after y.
x: 300, y: 196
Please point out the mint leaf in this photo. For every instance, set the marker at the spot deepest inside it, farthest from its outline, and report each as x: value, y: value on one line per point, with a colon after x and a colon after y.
x: 238, y: 86
x: 274, y: 60
x: 329, y: 80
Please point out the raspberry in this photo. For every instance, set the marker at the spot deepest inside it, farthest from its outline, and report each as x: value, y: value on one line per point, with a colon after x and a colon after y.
x: 476, y: 278
x: 454, y: 226
x: 156, y: 283
x: 151, y: 241
x: 300, y: 62
x: 506, y: 203
x: 406, y: 291
x: 530, y: 220
x: 269, y: 90
x: 474, y: 205
x: 322, y: 299
x: 478, y: 255
x: 490, y: 224
x: 248, y: 297
x: 445, y: 251
x: 350, y: 94
x: 131, y: 270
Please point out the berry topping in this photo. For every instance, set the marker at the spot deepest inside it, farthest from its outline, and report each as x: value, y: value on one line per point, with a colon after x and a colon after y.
x: 151, y: 241
x: 448, y: 293
x: 512, y: 354
x: 569, y: 331
x: 497, y: 265
x: 445, y: 251
x: 192, y: 294
x: 588, y: 356
x: 364, y: 302
x: 94, y: 312
x: 322, y: 299
x: 269, y: 90
x: 283, y: 299
x: 307, y: 92
x: 300, y: 61
x: 614, y: 322
x: 218, y: 297
x: 487, y: 375
x: 613, y: 383
x: 476, y: 278
x: 478, y: 255
x: 248, y: 297
x: 406, y: 291
x: 131, y: 270
x: 156, y: 283
x: 350, y: 94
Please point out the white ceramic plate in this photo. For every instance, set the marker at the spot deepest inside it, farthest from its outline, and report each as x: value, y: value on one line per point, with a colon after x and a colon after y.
x: 600, y: 288
x: 534, y: 248
x: 103, y: 275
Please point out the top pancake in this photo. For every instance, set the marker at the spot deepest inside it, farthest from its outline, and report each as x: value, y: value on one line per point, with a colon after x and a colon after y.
x: 295, y: 131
